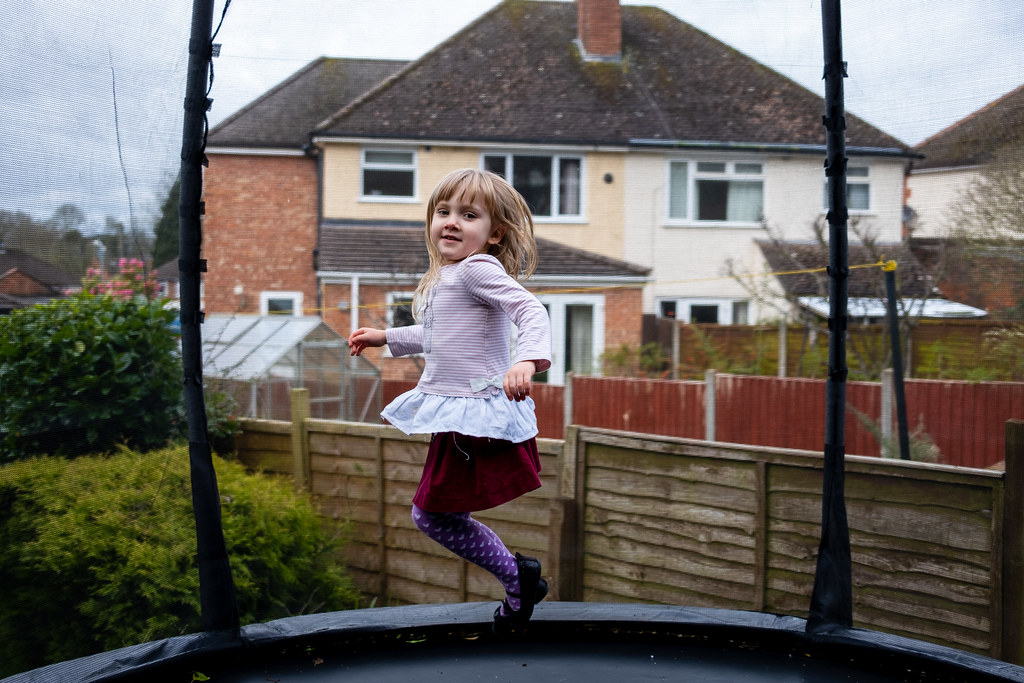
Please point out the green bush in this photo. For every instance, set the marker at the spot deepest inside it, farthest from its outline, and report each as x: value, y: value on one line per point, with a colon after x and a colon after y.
x: 86, y: 373
x: 98, y: 552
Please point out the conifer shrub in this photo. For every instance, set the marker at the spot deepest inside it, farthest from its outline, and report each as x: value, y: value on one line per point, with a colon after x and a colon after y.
x: 99, y: 552
x: 86, y: 373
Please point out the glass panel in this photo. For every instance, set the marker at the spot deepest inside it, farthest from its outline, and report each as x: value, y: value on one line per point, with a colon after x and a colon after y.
x: 745, y: 201
x: 740, y: 312
x: 569, y: 187
x: 387, y: 183
x: 748, y: 169
x: 857, y: 172
x: 579, y: 339
x: 390, y: 158
x: 280, y: 306
x: 532, y: 177
x: 678, y: 184
x: 858, y: 196
x: 495, y: 164
x: 712, y: 197
x: 710, y: 167
x: 668, y: 309
x: 704, y: 313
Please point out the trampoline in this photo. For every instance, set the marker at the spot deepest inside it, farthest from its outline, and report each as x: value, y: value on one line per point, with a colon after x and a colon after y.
x: 593, y: 642
x: 565, y: 641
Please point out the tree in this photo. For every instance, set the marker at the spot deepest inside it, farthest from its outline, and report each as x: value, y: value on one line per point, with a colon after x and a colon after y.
x: 986, y: 245
x: 165, y: 245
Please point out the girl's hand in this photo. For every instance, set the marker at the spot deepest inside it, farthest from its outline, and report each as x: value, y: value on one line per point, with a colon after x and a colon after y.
x: 363, y: 337
x: 518, y: 380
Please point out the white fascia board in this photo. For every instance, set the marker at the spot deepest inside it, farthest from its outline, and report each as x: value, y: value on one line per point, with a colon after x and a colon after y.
x: 595, y: 281
x: 388, y: 142
x: 945, y: 169
x: 335, y: 277
x: 257, y: 151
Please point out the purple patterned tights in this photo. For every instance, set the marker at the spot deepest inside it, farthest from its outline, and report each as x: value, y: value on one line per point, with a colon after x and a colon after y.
x: 473, y: 541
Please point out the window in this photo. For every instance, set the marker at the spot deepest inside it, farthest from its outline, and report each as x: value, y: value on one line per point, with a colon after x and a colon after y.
x: 281, y: 303
x: 714, y: 311
x: 388, y: 174
x: 858, y: 189
x: 551, y: 185
x: 400, y: 309
x: 716, y: 191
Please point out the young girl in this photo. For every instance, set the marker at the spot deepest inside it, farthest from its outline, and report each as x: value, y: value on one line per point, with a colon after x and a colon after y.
x: 483, y: 453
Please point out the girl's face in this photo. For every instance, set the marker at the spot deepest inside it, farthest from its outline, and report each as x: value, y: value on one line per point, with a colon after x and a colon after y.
x: 460, y: 227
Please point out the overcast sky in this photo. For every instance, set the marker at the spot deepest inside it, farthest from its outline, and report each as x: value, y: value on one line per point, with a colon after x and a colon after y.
x: 91, y: 91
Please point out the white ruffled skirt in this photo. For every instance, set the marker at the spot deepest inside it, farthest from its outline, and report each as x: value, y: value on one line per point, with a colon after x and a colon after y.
x: 493, y: 416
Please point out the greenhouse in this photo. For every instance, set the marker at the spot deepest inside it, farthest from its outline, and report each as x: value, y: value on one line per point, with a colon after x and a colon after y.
x: 260, y: 359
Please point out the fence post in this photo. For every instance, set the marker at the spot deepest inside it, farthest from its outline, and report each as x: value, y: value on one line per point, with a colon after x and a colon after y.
x: 1012, y: 649
x: 300, y: 444
x: 885, y: 419
x: 564, y: 544
x: 783, y: 346
x: 567, y: 406
x: 709, y: 405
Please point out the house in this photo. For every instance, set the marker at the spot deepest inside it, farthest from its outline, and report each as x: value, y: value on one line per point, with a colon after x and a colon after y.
x: 168, y: 280
x: 26, y: 280
x: 987, y: 276
x: 634, y: 137
x: 953, y: 158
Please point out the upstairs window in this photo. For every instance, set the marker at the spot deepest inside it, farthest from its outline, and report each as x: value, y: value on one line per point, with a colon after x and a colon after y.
x: 716, y: 192
x: 858, y: 189
x: 551, y: 185
x: 388, y: 174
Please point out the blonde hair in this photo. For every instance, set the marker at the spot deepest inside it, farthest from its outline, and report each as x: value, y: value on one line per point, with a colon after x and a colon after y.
x: 517, y: 248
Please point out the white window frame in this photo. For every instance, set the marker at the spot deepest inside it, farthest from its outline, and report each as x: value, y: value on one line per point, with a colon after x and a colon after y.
x: 556, y: 305
x: 393, y: 298
x: 411, y: 167
x: 693, y: 175
x: 266, y: 296
x: 726, y: 307
x: 862, y: 180
x: 556, y: 181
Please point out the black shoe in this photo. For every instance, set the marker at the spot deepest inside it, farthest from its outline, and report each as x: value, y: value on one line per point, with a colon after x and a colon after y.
x: 532, y: 585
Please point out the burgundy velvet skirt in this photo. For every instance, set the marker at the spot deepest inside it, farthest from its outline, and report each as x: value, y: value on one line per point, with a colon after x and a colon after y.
x: 467, y: 473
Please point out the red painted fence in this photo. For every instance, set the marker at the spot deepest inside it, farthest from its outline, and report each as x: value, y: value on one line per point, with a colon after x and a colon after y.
x: 966, y: 421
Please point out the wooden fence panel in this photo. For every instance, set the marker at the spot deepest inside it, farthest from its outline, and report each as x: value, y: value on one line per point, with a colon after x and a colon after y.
x: 687, y: 523
x: 637, y: 518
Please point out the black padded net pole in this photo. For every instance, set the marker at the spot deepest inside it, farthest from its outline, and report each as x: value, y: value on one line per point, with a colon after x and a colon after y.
x: 216, y: 586
x: 831, y: 599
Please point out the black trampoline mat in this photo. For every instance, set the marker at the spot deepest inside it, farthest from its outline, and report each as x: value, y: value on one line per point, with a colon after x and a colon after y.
x: 531, y: 662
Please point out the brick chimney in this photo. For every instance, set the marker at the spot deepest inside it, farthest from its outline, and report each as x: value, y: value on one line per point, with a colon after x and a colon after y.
x: 600, y: 29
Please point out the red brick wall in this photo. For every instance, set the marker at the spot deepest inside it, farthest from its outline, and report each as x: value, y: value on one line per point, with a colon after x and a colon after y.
x: 19, y: 284
x: 259, y: 230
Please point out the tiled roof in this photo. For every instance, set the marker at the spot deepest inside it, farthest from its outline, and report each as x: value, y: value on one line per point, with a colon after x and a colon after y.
x: 912, y: 280
x: 42, y: 271
x: 972, y: 140
x: 285, y: 115
x: 397, y: 247
x: 515, y: 75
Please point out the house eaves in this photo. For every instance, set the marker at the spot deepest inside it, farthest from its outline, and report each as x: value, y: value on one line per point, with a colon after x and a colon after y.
x: 774, y: 148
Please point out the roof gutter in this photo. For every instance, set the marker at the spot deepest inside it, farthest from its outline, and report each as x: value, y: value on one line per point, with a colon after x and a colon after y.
x: 776, y: 147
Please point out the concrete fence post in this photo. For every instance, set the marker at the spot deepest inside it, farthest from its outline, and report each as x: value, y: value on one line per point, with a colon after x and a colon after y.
x: 885, y: 419
x: 300, y: 444
x: 709, y: 405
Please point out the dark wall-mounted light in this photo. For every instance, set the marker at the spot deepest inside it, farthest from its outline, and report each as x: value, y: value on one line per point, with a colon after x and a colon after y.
x: 608, y: 178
